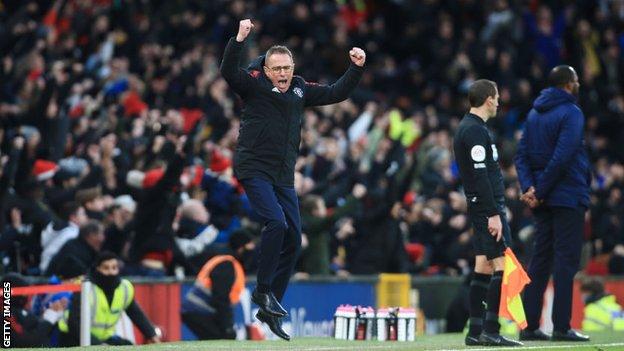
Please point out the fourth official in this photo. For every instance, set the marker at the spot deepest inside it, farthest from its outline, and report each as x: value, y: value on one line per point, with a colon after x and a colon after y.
x: 477, y: 159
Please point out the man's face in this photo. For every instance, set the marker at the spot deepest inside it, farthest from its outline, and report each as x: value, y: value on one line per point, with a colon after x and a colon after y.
x: 574, y: 85
x: 80, y: 217
x: 96, y: 240
x: 109, y: 267
x: 279, y: 68
x: 96, y: 205
x: 493, y: 105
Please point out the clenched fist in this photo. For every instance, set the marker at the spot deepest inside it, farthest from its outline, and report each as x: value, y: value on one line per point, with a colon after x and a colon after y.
x: 358, y: 56
x: 244, y: 27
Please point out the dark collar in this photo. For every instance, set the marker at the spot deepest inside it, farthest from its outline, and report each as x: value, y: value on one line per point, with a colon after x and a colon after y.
x: 473, y: 116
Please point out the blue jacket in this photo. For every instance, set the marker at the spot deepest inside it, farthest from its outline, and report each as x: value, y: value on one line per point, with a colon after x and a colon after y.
x: 551, y: 156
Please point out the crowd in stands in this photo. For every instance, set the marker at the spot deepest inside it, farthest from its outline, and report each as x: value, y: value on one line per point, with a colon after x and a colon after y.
x: 118, y: 130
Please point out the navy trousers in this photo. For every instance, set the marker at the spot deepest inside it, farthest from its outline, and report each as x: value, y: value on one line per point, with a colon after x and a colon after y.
x: 280, y: 244
x: 557, y: 251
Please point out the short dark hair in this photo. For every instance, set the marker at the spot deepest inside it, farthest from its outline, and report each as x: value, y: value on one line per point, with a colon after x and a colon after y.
x: 68, y: 209
x: 91, y: 227
x: 278, y: 49
x: 593, y: 286
x: 105, y: 256
x: 480, y: 90
x: 561, y: 75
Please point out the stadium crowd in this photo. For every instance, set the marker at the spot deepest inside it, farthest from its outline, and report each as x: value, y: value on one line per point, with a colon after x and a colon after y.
x: 118, y: 130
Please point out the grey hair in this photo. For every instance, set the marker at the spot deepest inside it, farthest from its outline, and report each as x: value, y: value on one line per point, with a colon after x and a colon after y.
x: 278, y: 49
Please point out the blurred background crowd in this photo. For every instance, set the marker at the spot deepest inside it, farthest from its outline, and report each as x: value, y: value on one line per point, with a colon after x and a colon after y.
x: 118, y: 130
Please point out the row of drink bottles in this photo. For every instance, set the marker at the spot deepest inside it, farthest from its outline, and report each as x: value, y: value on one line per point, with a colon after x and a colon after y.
x: 363, y: 323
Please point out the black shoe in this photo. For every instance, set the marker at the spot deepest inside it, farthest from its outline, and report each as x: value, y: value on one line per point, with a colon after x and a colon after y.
x: 472, y: 340
x: 268, y: 303
x: 277, y: 305
x: 274, y: 323
x: 488, y: 339
x: 570, y: 335
x: 534, y: 335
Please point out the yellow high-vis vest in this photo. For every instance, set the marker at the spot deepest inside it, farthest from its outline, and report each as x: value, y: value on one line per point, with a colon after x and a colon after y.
x: 104, y: 318
x: 603, y: 315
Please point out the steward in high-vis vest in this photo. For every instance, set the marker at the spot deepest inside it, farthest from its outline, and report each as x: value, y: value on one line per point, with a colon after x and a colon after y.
x: 111, y: 296
x: 602, y: 312
x: 207, y: 307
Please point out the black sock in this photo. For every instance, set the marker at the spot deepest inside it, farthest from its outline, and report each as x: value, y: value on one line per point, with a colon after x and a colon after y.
x: 263, y: 289
x: 490, y: 324
x: 478, y: 289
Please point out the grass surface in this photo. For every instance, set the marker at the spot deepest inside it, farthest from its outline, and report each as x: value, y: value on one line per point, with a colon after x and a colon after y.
x: 599, y: 342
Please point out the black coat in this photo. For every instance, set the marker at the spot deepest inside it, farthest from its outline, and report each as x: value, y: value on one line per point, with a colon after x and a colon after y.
x: 155, y: 213
x: 73, y: 259
x: 29, y: 330
x: 270, y: 131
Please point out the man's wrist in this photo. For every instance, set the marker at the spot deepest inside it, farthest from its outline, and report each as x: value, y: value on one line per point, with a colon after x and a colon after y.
x: 493, y: 214
x: 354, y: 65
x: 538, y: 195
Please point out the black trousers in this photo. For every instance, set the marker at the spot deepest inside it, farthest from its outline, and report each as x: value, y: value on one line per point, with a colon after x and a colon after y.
x: 557, y: 251
x: 281, y: 237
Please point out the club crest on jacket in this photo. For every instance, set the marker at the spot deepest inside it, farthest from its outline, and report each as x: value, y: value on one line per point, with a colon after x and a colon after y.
x: 298, y: 92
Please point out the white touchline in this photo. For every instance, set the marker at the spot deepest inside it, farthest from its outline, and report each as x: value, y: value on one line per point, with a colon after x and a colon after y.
x: 537, y: 347
x: 384, y: 347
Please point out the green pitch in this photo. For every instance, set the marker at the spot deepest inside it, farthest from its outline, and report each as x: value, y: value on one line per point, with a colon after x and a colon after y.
x: 599, y: 342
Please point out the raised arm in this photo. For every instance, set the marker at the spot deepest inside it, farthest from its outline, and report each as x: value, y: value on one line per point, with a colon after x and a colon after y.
x: 238, y: 78
x: 320, y: 94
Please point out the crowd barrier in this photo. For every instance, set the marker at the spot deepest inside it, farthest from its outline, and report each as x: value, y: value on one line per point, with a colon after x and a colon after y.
x: 312, y: 302
x: 85, y: 290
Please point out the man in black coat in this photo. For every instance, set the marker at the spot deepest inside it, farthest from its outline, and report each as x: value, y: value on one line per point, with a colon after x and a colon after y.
x: 152, y: 249
x: 77, y: 255
x: 267, y: 149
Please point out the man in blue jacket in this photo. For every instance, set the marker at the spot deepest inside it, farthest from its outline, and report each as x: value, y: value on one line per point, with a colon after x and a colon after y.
x: 555, y: 175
